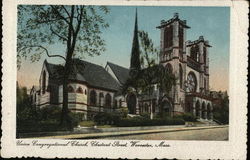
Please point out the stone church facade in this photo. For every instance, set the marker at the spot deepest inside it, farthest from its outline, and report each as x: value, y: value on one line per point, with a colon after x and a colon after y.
x: 93, y: 88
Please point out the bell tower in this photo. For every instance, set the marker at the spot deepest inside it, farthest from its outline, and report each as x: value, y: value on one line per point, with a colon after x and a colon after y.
x: 173, y: 56
x: 173, y: 37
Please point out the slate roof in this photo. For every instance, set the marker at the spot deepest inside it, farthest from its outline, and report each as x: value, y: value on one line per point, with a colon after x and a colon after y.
x: 92, y: 74
x: 121, y: 73
x: 55, y: 70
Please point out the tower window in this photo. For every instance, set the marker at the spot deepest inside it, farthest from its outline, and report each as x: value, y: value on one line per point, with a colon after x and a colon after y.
x: 194, y: 52
x: 181, y: 37
x: 168, y: 37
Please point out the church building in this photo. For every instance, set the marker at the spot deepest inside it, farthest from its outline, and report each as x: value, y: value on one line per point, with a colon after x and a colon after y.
x: 93, y: 88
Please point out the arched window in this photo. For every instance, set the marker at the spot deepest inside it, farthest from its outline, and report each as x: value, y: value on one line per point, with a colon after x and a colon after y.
x: 70, y: 89
x: 181, y: 76
x: 44, y: 82
x: 79, y: 90
x: 85, y: 91
x: 101, y: 99
x: 191, y: 82
x: 197, y: 109
x: 153, y: 106
x: 194, y: 52
x: 93, y: 98
x: 169, y: 68
x: 168, y: 36
x: 205, y: 84
x: 115, y: 103
x: 108, y: 100
x: 120, y: 103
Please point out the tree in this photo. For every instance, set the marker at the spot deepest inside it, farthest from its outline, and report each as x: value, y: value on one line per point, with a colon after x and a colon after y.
x: 150, y: 73
x: 221, y: 111
x: 148, y: 62
x: 154, y: 74
x: 77, y: 27
x: 22, y: 100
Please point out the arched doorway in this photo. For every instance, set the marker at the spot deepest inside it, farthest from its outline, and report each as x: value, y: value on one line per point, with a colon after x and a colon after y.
x: 204, y: 111
x: 166, y: 107
x: 188, y: 107
x: 169, y: 68
x: 209, y: 109
x: 131, y: 102
x: 197, y: 109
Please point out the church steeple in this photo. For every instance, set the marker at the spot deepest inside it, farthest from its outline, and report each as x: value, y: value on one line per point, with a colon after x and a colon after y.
x: 135, y: 53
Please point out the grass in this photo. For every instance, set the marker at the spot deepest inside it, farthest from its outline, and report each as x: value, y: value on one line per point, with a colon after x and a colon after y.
x: 87, y: 124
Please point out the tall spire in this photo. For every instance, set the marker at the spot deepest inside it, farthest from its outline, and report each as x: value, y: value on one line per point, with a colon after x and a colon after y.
x: 135, y: 53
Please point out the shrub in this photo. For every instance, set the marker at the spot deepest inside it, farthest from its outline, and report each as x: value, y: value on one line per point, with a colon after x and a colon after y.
x: 75, y: 118
x: 187, y: 117
x: 107, y: 118
x: 48, y: 113
x: 123, y: 112
x: 146, y: 115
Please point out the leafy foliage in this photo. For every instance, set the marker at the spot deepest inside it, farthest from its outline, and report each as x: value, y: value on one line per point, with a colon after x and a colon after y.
x: 107, y: 118
x: 221, y: 112
x: 22, y: 99
x: 78, y: 27
x: 187, y: 117
x: 46, y: 119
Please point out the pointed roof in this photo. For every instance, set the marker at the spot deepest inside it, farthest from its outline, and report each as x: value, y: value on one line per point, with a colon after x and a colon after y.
x: 89, y: 73
x: 135, y: 53
x: 120, y: 72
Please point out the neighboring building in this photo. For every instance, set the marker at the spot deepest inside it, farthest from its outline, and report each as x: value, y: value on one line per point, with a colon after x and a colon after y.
x: 94, y: 89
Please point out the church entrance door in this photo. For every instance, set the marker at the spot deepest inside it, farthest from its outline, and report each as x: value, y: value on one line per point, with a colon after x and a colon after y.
x: 166, y: 108
x: 131, y: 101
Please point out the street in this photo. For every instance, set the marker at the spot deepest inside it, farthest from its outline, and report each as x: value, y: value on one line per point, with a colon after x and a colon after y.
x: 217, y: 134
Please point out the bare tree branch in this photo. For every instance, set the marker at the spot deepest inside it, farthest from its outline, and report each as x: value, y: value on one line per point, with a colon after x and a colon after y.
x: 59, y: 14
x: 64, y: 38
x: 65, y: 10
x: 46, y: 51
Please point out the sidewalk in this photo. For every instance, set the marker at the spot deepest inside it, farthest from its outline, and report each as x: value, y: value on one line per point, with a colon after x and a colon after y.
x: 126, y: 133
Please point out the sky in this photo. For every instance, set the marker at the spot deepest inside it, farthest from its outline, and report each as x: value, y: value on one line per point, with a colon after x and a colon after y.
x: 211, y: 22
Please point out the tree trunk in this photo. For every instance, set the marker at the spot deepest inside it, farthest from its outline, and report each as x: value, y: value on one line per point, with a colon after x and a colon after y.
x: 65, y: 119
